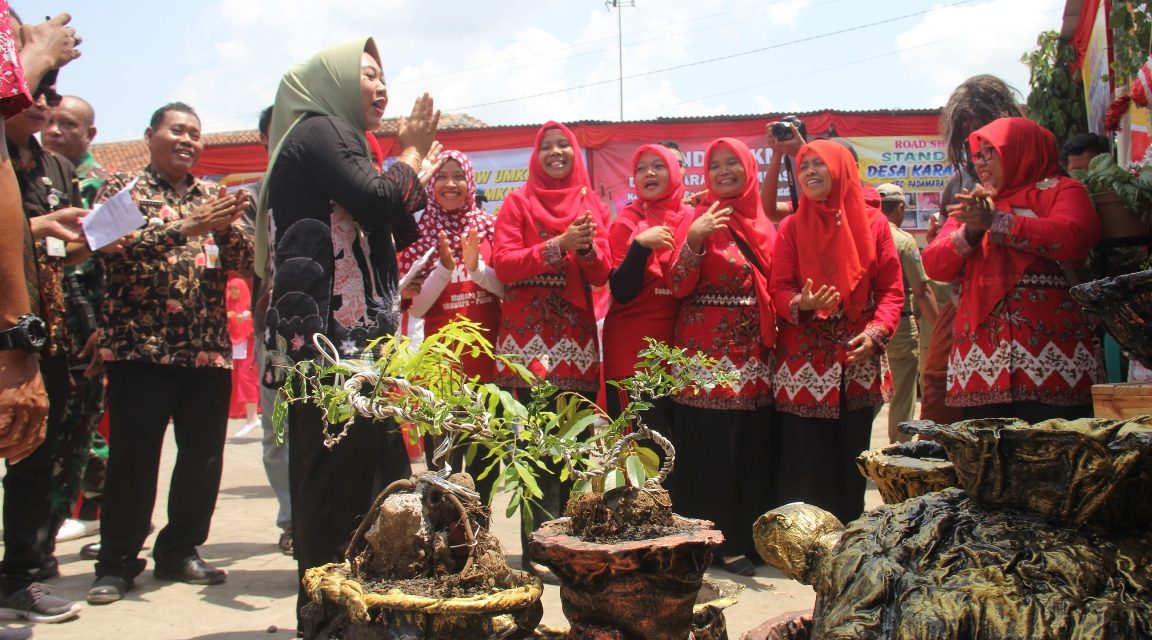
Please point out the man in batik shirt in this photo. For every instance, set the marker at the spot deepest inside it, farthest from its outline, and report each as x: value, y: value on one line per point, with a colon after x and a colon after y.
x: 166, y: 351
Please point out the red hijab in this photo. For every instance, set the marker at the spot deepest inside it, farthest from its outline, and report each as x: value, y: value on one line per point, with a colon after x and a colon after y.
x: 834, y: 254
x: 749, y: 223
x: 555, y: 204
x: 239, y: 330
x: 1031, y: 166
x: 666, y: 208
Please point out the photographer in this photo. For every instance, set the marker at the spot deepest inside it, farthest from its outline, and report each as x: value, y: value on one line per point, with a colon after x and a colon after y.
x: 785, y: 138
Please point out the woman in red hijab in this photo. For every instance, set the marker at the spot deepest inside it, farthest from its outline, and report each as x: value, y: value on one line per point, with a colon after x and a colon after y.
x: 726, y: 455
x: 642, y: 238
x: 838, y: 293
x: 550, y: 249
x: 245, y: 377
x: 1022, y: 348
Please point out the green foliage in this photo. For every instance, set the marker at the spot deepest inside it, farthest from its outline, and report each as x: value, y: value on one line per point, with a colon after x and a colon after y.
x: 1056, y: 100
x: 1131, y: 23
x: 553, y: 433
x: 1134, y: 186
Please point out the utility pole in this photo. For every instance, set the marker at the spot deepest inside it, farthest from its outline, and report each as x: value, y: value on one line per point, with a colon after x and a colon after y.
x: 619, y: 5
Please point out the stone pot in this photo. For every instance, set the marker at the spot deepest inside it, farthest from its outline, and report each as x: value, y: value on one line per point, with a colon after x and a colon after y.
x: 642, y: 590
x: 907, y: 470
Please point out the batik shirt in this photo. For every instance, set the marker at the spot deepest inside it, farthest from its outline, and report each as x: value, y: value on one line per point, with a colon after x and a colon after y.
x: 47, y: 183
x: 165, y: 302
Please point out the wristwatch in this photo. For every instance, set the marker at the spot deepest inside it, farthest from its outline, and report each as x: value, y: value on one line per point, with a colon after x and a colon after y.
x: 29, y: 334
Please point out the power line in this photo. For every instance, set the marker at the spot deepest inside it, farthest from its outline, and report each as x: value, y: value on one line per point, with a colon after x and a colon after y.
x: 490, y: 68
x: 809, y: 72
x: 716, y: 59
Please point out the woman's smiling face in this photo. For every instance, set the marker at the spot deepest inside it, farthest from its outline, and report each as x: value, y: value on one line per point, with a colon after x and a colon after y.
x: 726, y: 173
x: 556, y: 154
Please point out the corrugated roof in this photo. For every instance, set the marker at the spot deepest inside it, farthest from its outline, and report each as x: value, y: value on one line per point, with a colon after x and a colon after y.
x: 132, y: 155
x: 733, y: 117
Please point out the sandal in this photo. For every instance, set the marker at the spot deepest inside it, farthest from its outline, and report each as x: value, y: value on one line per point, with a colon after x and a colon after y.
x: 739, y: 565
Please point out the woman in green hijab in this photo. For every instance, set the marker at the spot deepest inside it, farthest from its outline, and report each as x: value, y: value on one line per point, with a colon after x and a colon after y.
x: 328, y: 228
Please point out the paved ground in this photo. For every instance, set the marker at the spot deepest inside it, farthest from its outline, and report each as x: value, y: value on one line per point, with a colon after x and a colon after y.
x: 259, y: 597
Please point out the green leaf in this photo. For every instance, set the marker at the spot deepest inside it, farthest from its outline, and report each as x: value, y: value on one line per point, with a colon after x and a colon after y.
x: 576, y: 427
x: 650, y: 459
x: 528, y: 477
x: 635, y: 471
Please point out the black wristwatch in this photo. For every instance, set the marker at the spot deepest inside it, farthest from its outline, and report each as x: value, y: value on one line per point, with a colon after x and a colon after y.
x: 29, y: 334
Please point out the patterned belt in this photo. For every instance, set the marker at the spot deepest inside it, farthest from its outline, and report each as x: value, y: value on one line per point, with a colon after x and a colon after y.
x: 1043, y: 281
x: 721, y: 300
x: 553, y: 281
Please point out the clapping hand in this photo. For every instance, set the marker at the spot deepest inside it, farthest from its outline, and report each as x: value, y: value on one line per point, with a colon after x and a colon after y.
x: 975, y: 210
x: 431, y: 164
x: 216, y: 214
x: 471, y: 249
x: 445, y: 248
x: 418, y: 130
x: 579, y: 235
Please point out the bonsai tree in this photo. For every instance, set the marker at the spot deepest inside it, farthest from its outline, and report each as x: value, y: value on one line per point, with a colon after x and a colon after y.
x: 424, y: 386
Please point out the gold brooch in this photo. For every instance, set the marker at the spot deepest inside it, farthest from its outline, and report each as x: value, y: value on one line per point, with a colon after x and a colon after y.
x: 1047, y: 183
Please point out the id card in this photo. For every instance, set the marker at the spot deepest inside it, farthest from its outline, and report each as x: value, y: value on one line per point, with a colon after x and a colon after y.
x: 211, y: 255
x: 56, y: 247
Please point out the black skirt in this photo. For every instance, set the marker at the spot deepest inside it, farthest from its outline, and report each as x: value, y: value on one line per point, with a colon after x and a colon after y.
x: 726, y: 469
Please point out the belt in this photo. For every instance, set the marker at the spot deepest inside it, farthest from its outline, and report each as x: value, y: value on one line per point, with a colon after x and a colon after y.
x: 722, y: 300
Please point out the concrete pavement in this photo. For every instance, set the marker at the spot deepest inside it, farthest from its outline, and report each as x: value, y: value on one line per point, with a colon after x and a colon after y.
x: 257, y: 601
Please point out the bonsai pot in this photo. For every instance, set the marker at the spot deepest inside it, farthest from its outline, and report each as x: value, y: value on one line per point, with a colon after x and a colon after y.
x: 643, y: 589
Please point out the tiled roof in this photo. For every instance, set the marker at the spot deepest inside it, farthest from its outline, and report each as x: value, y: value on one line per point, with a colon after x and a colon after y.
x: 133, y: 154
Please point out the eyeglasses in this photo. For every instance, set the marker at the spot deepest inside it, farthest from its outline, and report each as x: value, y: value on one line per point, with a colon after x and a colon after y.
x: 984, y: 155
x: 50, y: 96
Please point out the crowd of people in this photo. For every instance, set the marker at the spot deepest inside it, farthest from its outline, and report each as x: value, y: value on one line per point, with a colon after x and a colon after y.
x: 815, y: 305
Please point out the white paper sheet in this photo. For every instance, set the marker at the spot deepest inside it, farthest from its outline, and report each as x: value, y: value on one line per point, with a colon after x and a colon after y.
x: 418, y: 267
x: 112, y: 220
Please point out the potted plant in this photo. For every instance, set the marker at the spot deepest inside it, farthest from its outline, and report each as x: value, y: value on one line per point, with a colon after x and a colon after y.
x: 621, y: 478
x: 1123, y: 197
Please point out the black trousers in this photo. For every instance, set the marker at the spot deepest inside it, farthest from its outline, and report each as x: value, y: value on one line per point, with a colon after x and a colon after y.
x: 332, y: 489
x: 142, y: 398
x: 725, y: 471
x: 29, y: 526
x: 818, y: 461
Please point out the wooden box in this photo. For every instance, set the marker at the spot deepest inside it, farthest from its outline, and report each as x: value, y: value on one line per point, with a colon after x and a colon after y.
x: 1122, y: 401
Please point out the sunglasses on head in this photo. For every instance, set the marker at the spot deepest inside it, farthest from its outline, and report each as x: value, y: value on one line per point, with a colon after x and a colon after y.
x: 50, y: 96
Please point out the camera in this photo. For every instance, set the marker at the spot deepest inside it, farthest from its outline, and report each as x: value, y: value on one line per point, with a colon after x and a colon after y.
x: 781, y: 130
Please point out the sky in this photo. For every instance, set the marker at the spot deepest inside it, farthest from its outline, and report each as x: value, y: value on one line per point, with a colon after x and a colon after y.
x: 526, y: 62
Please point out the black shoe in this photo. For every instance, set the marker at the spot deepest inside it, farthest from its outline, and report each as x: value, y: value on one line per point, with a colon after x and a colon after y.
x: 108, y: 589
x: 192, y: 570
x: 90, y: 551
x: 16, y: 633
x: 48, y: 570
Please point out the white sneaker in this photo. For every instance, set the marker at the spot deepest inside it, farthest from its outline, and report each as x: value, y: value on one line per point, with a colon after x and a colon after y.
x: 247, y: 428
x: 73, y: 529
